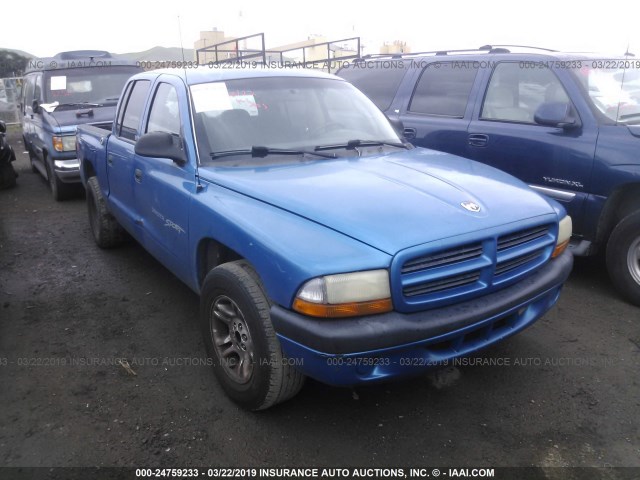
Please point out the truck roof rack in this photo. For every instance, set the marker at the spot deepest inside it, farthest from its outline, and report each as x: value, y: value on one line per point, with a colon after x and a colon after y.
x: 485, y: 48
x: 235, y: 51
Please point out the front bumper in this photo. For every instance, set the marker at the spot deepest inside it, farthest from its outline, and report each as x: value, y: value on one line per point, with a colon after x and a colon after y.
x: 68, y: 171
x: 378, y: 347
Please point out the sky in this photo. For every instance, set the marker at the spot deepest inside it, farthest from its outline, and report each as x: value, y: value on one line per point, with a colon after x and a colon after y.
x: 120, y: 26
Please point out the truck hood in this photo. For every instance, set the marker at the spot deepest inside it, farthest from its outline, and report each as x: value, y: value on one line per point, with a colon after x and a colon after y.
x: 392, y: 201
x: 67, y: 120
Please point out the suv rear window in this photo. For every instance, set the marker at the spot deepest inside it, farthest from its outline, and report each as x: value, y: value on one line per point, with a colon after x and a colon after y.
x: 377, y: 80
x: 443, y: 89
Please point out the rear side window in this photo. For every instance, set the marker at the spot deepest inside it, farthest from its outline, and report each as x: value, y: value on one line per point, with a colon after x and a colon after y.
x: 514, y: 93
x: 377, y: 80
x: 443, y: 89
x: 133, y: 110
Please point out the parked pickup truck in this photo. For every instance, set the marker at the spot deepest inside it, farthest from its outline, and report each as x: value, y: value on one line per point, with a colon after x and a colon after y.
x: 320, y: 244
x: 566, y: 124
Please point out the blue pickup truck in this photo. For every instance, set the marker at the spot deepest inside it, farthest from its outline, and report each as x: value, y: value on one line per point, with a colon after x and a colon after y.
x: 566, y: 124
x: 319, y: 242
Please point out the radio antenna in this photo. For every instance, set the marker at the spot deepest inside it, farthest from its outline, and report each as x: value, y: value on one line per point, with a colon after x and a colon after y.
x: 624, y: 73
x: 180, y: 33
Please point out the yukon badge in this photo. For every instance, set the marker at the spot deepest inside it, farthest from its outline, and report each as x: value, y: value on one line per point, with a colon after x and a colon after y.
x: 472, y: 207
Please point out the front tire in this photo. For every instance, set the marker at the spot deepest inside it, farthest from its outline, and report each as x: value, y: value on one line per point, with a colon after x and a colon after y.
x: 239, y: 337
x: 623, y: 257
x: 59, y: 190
x: 106, y: 230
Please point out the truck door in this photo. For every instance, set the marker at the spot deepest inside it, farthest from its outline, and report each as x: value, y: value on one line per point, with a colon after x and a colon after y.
x: 163, y: 188
x: 503, y: 133
x: 120, y: 162
x: 439, y: 111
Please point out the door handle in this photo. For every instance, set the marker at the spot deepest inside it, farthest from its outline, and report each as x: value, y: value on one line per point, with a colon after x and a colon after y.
x: 409, y: 133
x: 109, y: 159
x: 478, y: 140
x: 138, y: 175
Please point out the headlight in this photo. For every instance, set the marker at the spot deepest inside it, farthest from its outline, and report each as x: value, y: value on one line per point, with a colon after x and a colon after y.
x: 564, y: 235
x: 345, y: 295
x: 64, y: 144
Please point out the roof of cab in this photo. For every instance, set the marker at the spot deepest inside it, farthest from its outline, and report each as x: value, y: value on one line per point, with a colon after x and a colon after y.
x: 216, y: 73
x: 78, y: 59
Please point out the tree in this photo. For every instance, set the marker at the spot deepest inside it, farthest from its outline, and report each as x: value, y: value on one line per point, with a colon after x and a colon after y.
x: 12, y: 64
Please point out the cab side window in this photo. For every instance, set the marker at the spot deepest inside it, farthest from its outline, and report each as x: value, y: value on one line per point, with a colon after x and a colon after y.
x: 443, y: 90
x: 29, y: 87
x: 514, y: 93
x: 165, y: 114
x: 133, y: 111
x: 37, y: 92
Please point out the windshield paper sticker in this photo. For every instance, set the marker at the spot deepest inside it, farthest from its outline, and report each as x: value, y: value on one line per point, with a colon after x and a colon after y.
x: 245, y: 102
x: 209, y: 97
x: 59, y: 83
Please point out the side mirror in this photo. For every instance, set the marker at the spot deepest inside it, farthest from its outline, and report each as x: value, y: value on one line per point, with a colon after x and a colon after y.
x: 3, y: 127
x: 161, y: 145
x: 397, y: 125
x: 556, y: 114
x: 35, y: 106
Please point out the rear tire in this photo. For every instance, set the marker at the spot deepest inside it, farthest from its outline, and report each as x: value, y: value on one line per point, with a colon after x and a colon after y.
x: 623, y: 257
x: 106, y: 230
x: 239, y: 336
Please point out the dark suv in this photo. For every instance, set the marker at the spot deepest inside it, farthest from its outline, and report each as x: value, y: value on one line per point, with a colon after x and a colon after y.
x: 567, y: 124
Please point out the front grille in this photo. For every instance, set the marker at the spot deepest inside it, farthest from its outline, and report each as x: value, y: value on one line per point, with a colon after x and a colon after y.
x: 441, y: 277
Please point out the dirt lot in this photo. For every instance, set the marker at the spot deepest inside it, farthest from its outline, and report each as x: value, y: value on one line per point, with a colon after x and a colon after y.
x: 566, y: 392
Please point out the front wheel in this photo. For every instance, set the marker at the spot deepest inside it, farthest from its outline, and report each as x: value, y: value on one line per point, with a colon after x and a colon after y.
x: 239, y: 336
x: 59, y: 190
x: 623, y: 257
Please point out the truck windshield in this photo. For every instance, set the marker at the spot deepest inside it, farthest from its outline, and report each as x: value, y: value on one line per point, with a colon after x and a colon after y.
x: 94, y: 85
x: 615, y: 92
x: 292, y: 113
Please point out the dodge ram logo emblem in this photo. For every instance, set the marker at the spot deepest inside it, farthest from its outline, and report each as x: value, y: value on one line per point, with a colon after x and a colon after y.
x: 472, y: 207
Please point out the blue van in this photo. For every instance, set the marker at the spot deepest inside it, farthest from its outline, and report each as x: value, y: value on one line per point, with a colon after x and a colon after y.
x: 60, y: 93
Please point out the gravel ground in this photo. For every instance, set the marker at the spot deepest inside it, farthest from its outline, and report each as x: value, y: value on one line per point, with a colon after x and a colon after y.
x: 563, y: 393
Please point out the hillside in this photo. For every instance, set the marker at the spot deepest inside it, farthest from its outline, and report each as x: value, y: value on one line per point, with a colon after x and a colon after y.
x: 160, y: 54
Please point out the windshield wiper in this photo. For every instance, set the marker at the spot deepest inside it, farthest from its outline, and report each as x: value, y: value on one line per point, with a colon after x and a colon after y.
x: 261, y: 152
x: 78, y: 104
x: 625, y: 118
x: 353, y: 144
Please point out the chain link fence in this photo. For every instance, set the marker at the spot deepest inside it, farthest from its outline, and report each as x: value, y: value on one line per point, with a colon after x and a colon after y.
x: 10, y: 89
